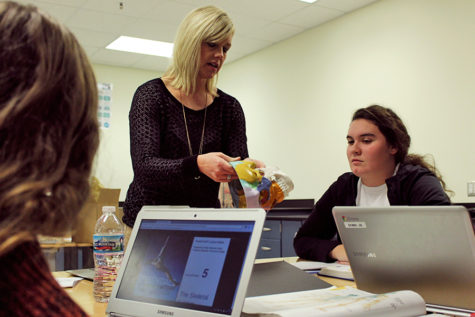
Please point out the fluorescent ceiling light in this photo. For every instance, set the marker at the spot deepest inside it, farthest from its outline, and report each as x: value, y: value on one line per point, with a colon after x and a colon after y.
x: 309, y: 1
x: 142, y: 46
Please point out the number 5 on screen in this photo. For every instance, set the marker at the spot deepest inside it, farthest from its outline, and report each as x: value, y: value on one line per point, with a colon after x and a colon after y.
x: 203, y: 270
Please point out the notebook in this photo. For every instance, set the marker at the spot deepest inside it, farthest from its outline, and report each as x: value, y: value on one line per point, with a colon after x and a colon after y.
x: 187, y: 262
x: 427, y: 249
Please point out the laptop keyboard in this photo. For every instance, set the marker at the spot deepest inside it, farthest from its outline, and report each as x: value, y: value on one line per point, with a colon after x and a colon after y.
x: 84, y: 273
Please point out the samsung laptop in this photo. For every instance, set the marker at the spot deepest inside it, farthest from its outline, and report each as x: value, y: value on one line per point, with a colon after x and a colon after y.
x: 428, y: 249
x: 187, y: 262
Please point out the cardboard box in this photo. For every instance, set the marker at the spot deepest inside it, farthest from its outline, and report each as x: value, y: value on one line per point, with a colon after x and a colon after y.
x: 92, y: 210
x: 54, y: 240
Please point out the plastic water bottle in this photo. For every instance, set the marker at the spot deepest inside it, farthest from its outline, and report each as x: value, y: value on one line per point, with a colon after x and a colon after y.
x: 108, y: 252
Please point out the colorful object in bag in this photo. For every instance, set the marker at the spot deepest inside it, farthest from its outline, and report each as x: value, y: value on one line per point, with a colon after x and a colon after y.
x: 258, y: 187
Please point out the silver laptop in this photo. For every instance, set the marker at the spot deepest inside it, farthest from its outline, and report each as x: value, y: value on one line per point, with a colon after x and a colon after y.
x: 187, y: 262
x: 428, y: 249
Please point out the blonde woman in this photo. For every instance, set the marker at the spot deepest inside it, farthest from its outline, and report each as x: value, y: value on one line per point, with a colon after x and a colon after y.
x: 48, y: 138
x: 183, y: 130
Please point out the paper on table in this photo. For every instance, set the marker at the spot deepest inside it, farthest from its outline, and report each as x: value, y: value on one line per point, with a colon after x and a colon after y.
x: 315, y: 265
x: 68, y: 281
x: 330, y: 302
x: 309, y: 265
x: 337, y: 270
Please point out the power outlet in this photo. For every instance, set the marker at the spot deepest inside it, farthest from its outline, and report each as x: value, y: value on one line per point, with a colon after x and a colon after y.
x: 471, y: 188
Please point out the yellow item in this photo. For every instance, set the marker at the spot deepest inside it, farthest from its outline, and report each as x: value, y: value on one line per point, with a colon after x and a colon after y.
x: 247, y: 171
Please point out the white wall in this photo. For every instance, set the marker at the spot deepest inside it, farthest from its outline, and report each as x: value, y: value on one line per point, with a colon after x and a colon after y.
x: 415, y: 56
x: 113, y: 166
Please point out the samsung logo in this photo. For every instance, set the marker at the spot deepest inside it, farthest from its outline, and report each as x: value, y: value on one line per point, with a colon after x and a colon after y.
x: 164, y: 312
x: 365, y: 254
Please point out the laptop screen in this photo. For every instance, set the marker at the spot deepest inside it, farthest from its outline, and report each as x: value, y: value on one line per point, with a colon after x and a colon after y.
x: 194, y: 264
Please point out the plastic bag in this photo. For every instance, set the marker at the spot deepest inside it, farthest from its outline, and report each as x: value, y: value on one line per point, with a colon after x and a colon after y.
x: 258, y: 187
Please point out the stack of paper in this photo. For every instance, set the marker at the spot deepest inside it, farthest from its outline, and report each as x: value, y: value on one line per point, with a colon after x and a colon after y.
x: 332, y: 302
x: 335, y: 269
x: 68, y: 281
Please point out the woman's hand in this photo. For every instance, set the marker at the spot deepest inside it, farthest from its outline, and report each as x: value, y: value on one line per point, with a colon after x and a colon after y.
x: 339, y: 254
x: 215, y: 165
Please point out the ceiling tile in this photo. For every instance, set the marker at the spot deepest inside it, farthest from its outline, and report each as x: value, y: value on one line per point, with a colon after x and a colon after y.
x: 275, y: 32
x: 230, y: 7
x: 243, y: 45
x: 61, y: 12
x: 90, y: 50
x: 343, y: 5
x: 259, y: 23
x: 133, y: 8
x: 111, y: 57
x: 169, y: 12
x: 246, y: 25
x: 270, y: 9
x: 311, y: 16
x: 160, y: 64
x: 93, y: 38
x: 72, y: 3
x: 95, y: 20
x: 152, y: 30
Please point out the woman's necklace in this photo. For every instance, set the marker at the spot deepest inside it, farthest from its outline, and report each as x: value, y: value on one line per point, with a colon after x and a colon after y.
x: 200, y: 151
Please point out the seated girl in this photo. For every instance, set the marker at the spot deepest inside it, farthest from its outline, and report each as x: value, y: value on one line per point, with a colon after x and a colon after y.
x: 382, y: 174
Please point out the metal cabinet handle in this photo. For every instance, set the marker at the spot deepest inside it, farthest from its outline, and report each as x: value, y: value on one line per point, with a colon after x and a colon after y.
x: 266, y: 229
x: 266, y: 248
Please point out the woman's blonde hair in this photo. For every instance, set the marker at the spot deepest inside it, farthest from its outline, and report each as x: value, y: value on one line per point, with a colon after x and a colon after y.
x: 205, y: 24
x: 48, y: 125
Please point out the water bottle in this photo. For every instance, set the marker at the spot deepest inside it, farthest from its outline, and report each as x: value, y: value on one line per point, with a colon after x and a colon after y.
x: 108, y: 252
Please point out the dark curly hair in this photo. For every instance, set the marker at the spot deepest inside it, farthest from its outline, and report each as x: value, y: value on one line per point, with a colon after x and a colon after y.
x: 395, y: 132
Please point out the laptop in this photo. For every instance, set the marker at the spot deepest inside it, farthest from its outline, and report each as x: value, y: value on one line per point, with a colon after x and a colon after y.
x: 87, y: 273
x: 427, y: 249
x: 187, y: 262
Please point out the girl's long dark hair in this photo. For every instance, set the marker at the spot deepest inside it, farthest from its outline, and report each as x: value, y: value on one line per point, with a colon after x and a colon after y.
x: 395, y: 132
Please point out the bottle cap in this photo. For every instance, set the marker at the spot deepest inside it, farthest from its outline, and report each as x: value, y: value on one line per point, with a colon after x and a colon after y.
x: 108, y: 208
